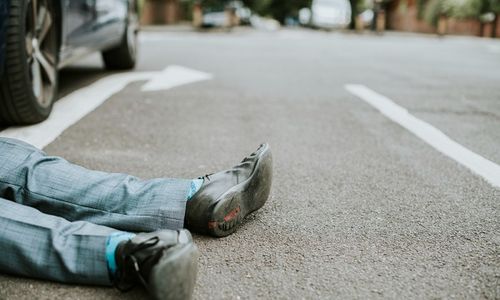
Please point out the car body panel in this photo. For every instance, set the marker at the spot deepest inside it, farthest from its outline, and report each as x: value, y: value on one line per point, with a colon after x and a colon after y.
x: 215, y: 13
x: 89, y: 26
x: 328, y: 14
x: 215, y: 19
x: 86, y: 26
x: 331, y: 13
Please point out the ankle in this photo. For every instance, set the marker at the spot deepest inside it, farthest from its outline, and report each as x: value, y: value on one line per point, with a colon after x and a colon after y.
x: 194, y: 187
x: 112, y: 244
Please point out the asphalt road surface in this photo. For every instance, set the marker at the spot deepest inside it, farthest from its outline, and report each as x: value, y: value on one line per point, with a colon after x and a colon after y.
x: 360, y: 206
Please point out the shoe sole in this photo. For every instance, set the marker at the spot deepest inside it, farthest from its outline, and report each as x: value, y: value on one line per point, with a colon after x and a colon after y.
x: 241, y: 200
x: 174, y: 276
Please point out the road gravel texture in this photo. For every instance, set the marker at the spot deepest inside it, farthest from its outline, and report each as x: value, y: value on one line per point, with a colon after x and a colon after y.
x: 360, y: 208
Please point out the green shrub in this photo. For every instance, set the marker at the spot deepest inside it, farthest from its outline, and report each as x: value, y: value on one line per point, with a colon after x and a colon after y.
x: 433, y: 9
x: 362, y: 5
x: 491, y: 6
x: 459, y: 9
x: 421, y: 8
x: 462, y: 9
x: 140, y: 6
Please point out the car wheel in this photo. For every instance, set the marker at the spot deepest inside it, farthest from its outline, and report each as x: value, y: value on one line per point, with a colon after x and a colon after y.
x: 28, y: 87
x: 123, y: 56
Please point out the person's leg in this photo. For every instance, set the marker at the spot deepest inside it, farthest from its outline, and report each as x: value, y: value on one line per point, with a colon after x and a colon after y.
x: 35, y: 244
x: 216, y: 204
x: 54, y: 186
x: 38, y: 245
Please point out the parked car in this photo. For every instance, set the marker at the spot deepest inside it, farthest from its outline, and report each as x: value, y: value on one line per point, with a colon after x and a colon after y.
x: 39, y: 37
x: 215, y: 13
x: 327, y: 14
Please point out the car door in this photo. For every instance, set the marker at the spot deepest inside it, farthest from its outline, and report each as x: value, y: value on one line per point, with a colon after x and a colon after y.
x: 79, y: 17
x: 91, y: 25
x: 111, y: 17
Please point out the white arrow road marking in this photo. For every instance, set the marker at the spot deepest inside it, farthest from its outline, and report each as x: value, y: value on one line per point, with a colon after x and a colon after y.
x: 73, y: 107
x: 174, y: 76
x: 429, y: 134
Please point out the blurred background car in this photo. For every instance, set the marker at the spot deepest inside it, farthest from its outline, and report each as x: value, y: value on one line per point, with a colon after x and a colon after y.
x: 39, y: 37
x: 365, y: 18
x: 242, y: 12
x: 326, y: 14
x: 217, y: 13
x: 214, y: 13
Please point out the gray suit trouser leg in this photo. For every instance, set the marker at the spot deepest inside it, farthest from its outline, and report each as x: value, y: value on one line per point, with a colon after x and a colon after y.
x: 55, y: 217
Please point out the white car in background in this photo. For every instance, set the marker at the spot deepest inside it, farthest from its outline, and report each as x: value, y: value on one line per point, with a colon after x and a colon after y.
x: 327, y: 14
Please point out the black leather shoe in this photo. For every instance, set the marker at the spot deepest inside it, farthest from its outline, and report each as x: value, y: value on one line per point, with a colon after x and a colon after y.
x: 227, y: 197
x: 164, y: 262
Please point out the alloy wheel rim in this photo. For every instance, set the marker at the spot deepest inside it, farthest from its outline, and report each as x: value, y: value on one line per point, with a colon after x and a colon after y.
x: 40, y: 51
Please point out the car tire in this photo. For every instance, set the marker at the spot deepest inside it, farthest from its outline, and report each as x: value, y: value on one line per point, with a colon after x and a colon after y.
x: 28, y: 87
x: 124, y: 56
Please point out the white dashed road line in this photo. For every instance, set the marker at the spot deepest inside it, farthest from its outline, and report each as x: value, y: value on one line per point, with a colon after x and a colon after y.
x: 73, y: 107
x: 483, y: 167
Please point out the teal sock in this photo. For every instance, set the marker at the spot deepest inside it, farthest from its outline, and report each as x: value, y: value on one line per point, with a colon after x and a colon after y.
x: 111, y: 244
x: 195, y: 186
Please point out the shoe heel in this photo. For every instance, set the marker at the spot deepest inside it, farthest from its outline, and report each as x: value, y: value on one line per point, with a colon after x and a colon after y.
x: 174, y: 276
x: 233, y: 207
x: 227, y: 215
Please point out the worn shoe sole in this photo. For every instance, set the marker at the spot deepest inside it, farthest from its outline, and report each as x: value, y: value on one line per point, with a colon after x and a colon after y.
x: 174, y: 276
x: 242, y: 199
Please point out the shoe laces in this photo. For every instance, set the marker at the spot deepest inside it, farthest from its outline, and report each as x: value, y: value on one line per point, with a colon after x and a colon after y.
x: 206, y: 176
x: 131, y: 258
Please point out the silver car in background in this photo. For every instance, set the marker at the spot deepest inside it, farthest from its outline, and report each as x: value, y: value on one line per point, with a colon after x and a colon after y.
x: 326, y: 14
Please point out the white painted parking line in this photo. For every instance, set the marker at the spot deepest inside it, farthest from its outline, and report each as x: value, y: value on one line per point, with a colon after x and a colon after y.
x: 70, y: 109
x: 73, y: 107
x: 429, y: 134
x: 174, y: 76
